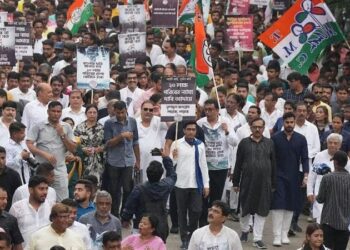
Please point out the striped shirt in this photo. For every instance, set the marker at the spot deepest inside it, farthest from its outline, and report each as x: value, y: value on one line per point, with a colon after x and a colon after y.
x: 334, y: 192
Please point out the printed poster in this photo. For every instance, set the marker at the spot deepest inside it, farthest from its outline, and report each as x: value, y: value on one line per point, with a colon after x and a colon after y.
x: 131, y: 46
x: 239, y: 33
x: 132, y: 18
x: 164, y: 13
x: 93, y: 67
x: 7, y: 45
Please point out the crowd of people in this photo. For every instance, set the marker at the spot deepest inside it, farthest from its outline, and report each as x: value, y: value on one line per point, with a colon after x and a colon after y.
x: 78, y: 166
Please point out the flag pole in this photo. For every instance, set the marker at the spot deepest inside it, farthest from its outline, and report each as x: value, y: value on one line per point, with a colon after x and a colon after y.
x: 216, y: 88
x: 92, y: 96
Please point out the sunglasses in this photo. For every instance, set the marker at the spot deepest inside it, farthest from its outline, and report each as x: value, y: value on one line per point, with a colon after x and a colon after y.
x: 148, y: 110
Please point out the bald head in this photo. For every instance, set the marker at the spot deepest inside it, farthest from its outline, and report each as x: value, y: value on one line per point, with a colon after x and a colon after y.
x: 44, y: 93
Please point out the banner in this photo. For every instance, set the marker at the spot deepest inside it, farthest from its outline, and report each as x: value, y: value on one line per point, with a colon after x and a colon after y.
x: 179, y: 98
x: 93, y: 67
x: 260, y: 3
x: 7, y: 46
x: 302, y: 33
x: 239, y: 33
x: 237, y: 7
x: 23, y: 40
x: 164, y: 13
x: 132, y: 18
x: 131, y: 46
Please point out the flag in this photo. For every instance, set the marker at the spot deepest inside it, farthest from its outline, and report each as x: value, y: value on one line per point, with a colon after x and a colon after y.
x: 187, y: 10
x: 78, y: 14
x: 200, y: 56
x: 301, y: 34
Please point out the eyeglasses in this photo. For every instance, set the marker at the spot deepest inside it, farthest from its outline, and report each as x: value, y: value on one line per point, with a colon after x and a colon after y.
x: 148, y: 110
x: 309, y: 102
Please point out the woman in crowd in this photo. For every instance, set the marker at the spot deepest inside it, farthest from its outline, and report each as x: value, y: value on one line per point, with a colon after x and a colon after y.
x: 314, y: 238
x: 321, y: 120
x: 90, y: 133
x: 147, y: 238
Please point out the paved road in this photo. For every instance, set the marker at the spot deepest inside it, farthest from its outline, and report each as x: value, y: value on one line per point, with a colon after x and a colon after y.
x: 173, y: 241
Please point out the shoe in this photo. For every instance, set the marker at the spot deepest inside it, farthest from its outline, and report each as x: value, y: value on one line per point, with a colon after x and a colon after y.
x: 291, y: 233
x: 277, y: 241
x: 259, y: 244
x: 296, y: 228
x: 285, y: 240
x: 174, y: 230
x: 184, y: 245
x: 233, y: 216
x: 244, y: 236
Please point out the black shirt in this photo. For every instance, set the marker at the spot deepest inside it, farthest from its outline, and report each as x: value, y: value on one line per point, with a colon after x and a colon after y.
x: 9, y: 223
x: 10, y: 181
x: 170, y: 134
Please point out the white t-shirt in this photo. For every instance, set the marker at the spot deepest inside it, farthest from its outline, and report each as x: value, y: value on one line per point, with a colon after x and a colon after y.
x: 203, y: 239
x: 164, y: 60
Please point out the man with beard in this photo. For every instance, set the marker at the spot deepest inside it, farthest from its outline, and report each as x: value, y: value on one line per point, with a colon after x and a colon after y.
x: 57, y: 86
x: 291, y: 150
x: 33, y: 213
x: 57, y: 233
x: 82, y: 195
x: 68, y: 55
x: 49, y: 52
x: 254, y: 177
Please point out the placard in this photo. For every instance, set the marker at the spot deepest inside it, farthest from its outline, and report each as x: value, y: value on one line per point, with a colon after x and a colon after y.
x: 237, y: 7
x: 239, y: 32
x: 179, y: 98
x: 131, y: 46
x: 164, y: 13
x: 93, y: 67
x: 132, y: 18
x: 7, y: 45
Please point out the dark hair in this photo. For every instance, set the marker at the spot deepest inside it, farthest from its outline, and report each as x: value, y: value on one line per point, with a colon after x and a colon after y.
x: 310, y: 96
x: 23, y: 74
x: 225, y: 209
x: 155, y: 98
x: 36, y: 180
x: 5, y: 237
x: 311, y: 228
x: 154, y: 223
x: 119, y: 105
x: 341, y: 87
x: 154, y: 171
x: 3, y: 93
x: 171, y: 42
x: 68, y: 119
x: 341, y: 158
x: 339, y: 115
x: 290, y: 103
x: 2, y: 150
x: 16, y: 127
x: 57, y: 209
x: 294, y: 76
x: 156, y: 76
x: 90, y: 106
x: 70, y: 202
x: 87, y: 184
x: 257, y: 109
x: 92, y: 178
x: 54, y: 104
x: 56, y: 78
x: 9, y: 104
x: 49, y: 43
x: 243, y: 84
x: 288, y: 115
x: 255, y: 120
x: 44, y: 169
x: 57, y: 248
x: 274, y: 64
x: 110, y: 236
x: 69, y: 45
x: 13, y: 75
x: 274, y: 96
x: 274, y: 84
x: 212, y: 102
x: 185, y: 124
x: 69, y: 70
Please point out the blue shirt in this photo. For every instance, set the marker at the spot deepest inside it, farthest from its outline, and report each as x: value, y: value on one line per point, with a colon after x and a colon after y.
x: 81, y: 210
x: 122, y: 154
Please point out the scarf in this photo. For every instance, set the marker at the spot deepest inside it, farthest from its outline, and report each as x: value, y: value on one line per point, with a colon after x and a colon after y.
x: 199, y: 177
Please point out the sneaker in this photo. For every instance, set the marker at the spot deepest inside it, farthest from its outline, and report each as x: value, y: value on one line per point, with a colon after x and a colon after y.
x: 291, y: 233
x: 244, y: 236
x: 259, y: 244
x: 174, y: 230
